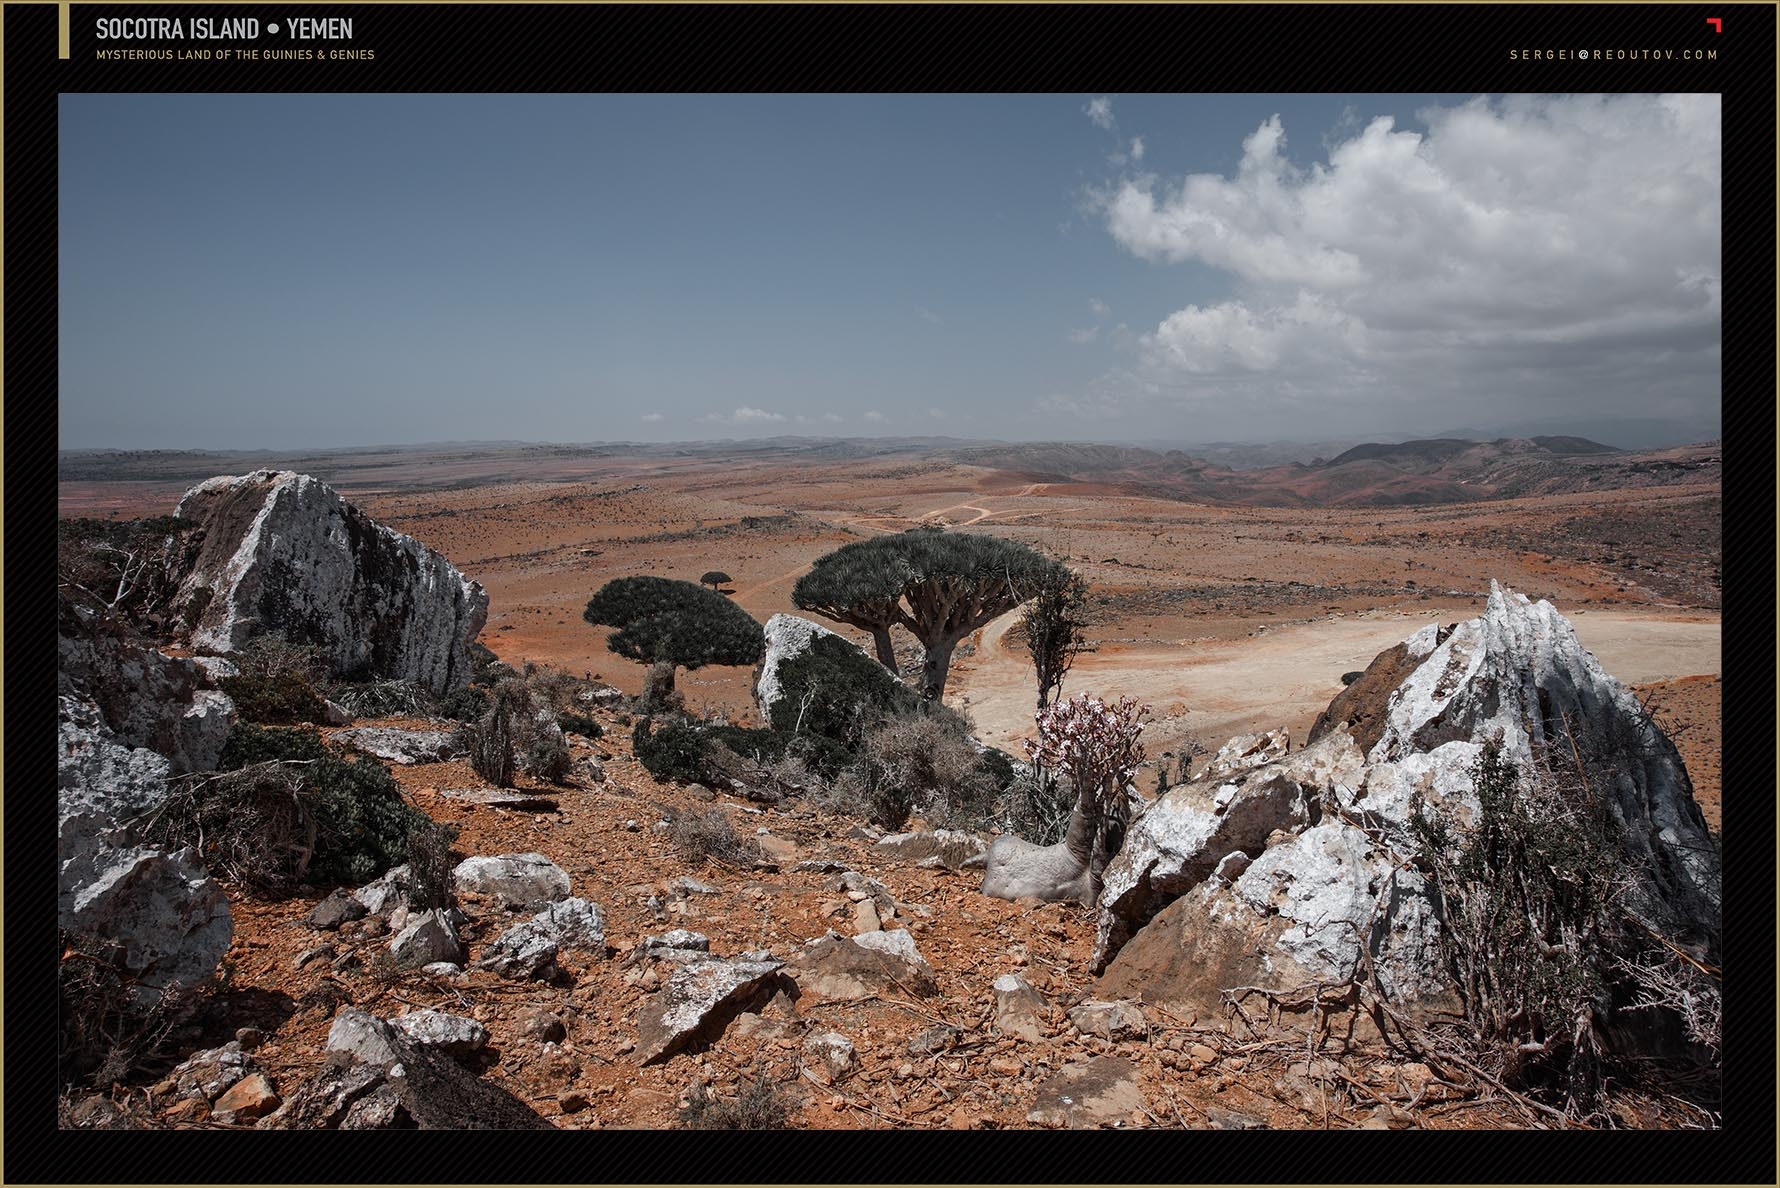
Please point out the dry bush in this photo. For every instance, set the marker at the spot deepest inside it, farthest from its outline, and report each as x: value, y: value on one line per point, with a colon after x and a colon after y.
x: 274, y: 826
x: 107, y: 1033
x: 708, y: 836
x: 919, y: 762
x: 382, y: 699
x: 1537, y: 935
x: 759, y: 1107
x: 429, y: 881
x: 489, y: 741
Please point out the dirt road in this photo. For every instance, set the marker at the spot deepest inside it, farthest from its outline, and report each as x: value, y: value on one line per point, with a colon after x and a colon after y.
x: 1283, y: 677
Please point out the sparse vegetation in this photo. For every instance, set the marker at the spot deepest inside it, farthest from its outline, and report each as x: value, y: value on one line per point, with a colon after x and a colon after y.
x: 715, y: 578
x: 124, y: 574
x: 761, y: 1106
x: 382, y: 699
x: 709, y: 837
x: 273, y: 826
x: 1055, y: 625
x: 106, y: 1032
x: 276, y: 683
x: 489, y: 741
x: 920, y: 762
x: 1537, y: 937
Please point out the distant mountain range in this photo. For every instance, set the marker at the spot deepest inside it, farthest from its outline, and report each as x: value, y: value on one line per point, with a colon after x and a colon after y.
x: 1372, y: 474
x: 1424, y: 471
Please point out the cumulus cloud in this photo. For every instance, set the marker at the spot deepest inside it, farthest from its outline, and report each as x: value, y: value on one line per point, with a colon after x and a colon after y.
x: 927, y: 315
x: 653, y: 417
x: 745, y: 416
x: 1100, y: 111
x: 874, y: 416
x: 1137, y: 148
x: 1084, y: 336
x: 1523, y: 250
x: 1099, y: 308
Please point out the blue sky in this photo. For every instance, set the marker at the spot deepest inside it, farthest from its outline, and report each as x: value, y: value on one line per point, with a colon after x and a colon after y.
x: 313, y: 270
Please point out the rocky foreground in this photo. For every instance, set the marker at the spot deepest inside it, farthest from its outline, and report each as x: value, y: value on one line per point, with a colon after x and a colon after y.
x: 591, y: 972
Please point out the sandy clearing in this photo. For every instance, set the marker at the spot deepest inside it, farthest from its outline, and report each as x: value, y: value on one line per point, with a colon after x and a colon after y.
x: 1284, y: 676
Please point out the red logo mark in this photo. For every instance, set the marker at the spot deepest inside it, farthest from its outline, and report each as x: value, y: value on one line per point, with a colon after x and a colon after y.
x: 1717, y: 24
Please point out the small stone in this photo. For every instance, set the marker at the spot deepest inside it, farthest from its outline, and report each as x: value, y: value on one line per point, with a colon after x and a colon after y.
x: 829, y: 1057
x: 321, y: 952
x: 542, y: 1026
x: 250, y: 1098
x: 865, y: 917
x: 1202, y: 1054
x: 572, y: 1102
x: 1006, y: 1066
x: 249, y: 1038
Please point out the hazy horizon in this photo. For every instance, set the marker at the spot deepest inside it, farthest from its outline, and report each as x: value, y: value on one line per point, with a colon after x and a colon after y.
x: 1099, y: 269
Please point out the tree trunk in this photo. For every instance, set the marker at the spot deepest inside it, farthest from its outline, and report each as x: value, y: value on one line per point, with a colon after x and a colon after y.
x: 935, y: 667
x: 886, y: 651
x: 658, y: 686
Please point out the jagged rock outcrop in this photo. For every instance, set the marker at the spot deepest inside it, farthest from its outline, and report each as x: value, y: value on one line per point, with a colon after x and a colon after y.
x: 1183, y: 837
x: 380, y: 1078
x: 282, y: 552
x: 148, y: 699
x: 167, y: 919
x: 700, y: 999
x: 1277, y: 876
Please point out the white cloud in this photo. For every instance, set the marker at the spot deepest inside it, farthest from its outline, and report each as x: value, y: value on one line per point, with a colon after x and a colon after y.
x: 1524, y: 249
x: 745, y: 416
x: 875, y: 416
x: 928, y: 315
x: 1137, y: 148
x: 938, y: 414
x: 827, y: 418
x: 1099, y: 308
x: 1088, y: 335
x: 652, y: 417
x: 1100, y: 111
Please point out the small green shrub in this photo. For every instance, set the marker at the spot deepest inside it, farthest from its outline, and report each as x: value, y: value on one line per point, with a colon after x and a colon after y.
x: 273, y: 826
x: 284, y: 699
x: 249, y: 744
x: 581, y: 724
x: 464, y: 705
x: 547, y: 757
x: 760, y: 1107
x: 837, y: 692
x: 672, y: 752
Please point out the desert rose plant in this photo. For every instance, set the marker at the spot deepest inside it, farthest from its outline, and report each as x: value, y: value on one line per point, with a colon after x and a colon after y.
x: 1096, y: 748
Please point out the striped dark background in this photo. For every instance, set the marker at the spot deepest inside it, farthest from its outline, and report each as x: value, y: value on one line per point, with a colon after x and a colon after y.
x: 941, y: 47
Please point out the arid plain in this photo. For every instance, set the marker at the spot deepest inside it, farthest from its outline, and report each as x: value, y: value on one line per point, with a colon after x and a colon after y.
x: 1224, y: 618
